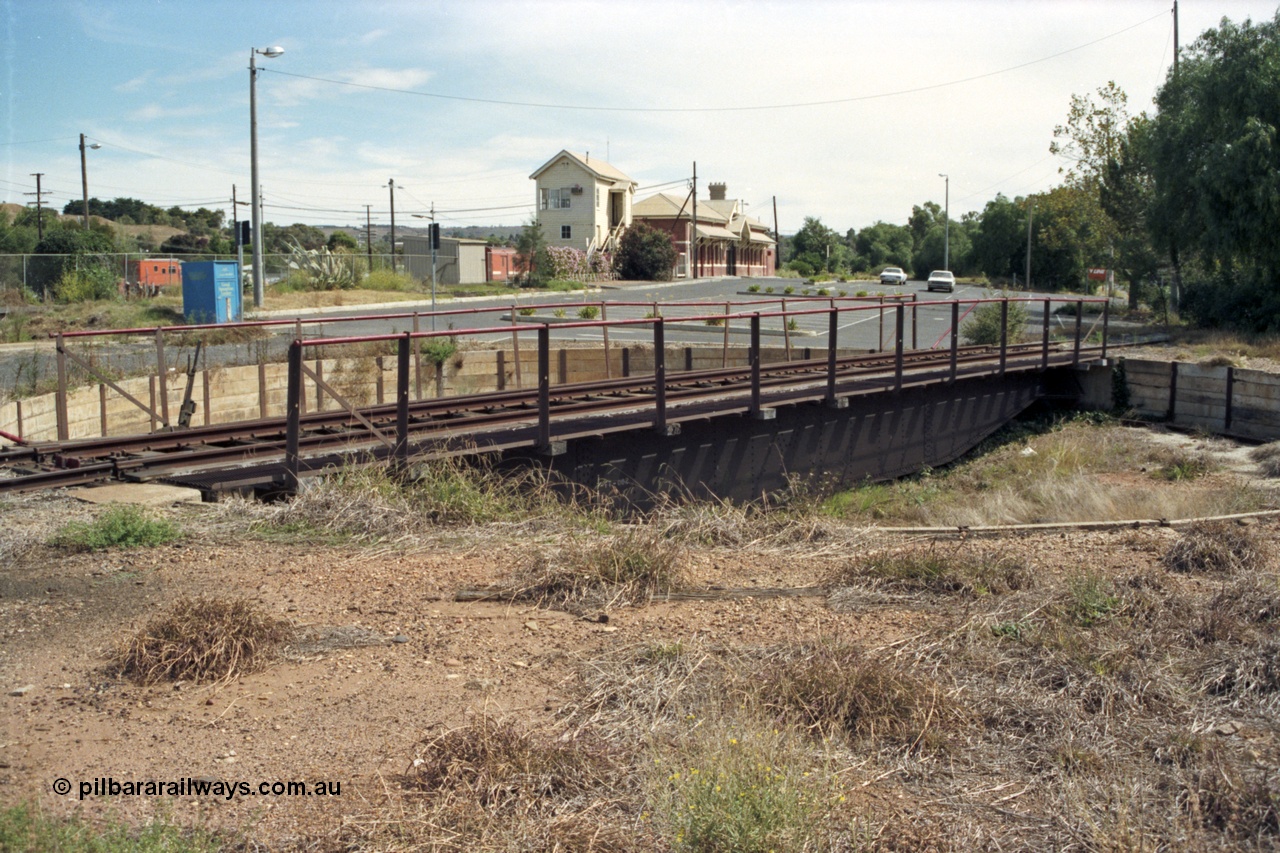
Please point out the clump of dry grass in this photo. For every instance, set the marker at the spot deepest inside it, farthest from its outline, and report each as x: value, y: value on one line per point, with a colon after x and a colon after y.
x: 629, y: 568
x: 1242, y: 804
x: 1218, y: 547
x: 725, y: 524
x: 505, y: 768
x: 835, y: 688
x: 962, y: 570
x: 1268, y: 458
x: 202, y: 639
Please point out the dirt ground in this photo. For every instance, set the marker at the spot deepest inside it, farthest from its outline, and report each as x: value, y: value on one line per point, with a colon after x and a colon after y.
x: 389, y: 658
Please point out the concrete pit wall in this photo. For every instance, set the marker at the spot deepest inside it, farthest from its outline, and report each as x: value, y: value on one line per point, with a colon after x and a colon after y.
x: 230, y: 394
x: 1214, y: 398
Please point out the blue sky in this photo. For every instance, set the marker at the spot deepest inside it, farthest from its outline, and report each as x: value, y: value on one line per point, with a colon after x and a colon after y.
x: 162, y: 86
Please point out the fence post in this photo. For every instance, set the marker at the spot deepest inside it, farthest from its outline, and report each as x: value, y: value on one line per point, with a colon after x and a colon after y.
x: 544, y: 387
x: 786, y: 331
x: 401, y: 452
x: 1075, y: 355
x: 417, y: 361
x: 753, y: 359
x: 833, y: 328
x: 515, y: 346
x: 660, y: 375
x: 915, y: 344
x: 955, y: 337
x: 1004, y: 333
x: 162, y: 376
x: 1106, y: 316
x: 1044, y: 344
x: 293, y: 411
x: 724, y: 348
x: 604, y: 317
x: 900, y: 319
x: 60, y: 399
x: 1231, y: 384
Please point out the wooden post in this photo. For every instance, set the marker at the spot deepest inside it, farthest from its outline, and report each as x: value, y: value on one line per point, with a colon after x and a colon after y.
x: 833, y: 329
x: 1044, y: 343
x: 955, y: 338
x: 162, y: 374
x: 262, y: 389
x: 914, y: 323
x: 626, y: 362
x: 1004, y: 333
x: 204, y: 383
x: 899, y: 321
x: 102, y: 407
x: 604, y: 317
x: 151, y: 387
x: 724, y: 348
x: 293, y: 413
x: 562, y: 360
x: 379, y: 382
x: 753, y: 358
x: 1231, y: 384
x: 60, y: 399
x: 1106, y: 316
x: 501, y: 382
x: 1173, y: 390
x: 1075, y: 355
x: 659, y: 376
x: 417, y: 356
x: 544, y: 386
x: 319, y: 386
x: 401, y: 451
x: 515, y: 345
x: 786, y: 332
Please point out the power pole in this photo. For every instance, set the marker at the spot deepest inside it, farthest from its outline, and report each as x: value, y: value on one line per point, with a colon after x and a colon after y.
x: 1031, y: 209
x: 368, y: 234
x: 1175, y: 38
x: 39, y: 194
x: 777, y: 237
x: 84, y: 178
x: 391, y: 184
x: 235, y: 224
x: 693, y: 235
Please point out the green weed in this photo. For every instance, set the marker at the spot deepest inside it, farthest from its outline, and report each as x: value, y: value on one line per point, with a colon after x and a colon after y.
x: 120, y: 526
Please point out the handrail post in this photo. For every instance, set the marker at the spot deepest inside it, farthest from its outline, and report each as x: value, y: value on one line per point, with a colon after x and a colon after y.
x: 660, y: 375
x: 1075, y: 355
x: 60, y: 399
x: 833, y: 328
x: 1004, y: 333
x: 914, y: 323
x: 786, y: 331
x: 293, y: 412
x: 1106, y: 315
x: 402, y: 399
x: 900, y: 317
x: 955, y: 338
x: 754, y: 360
x: 161, y: 377
x: 604, y: 318
x: 417, y: 360
x: 544, y: 386
x: 1044, y: 343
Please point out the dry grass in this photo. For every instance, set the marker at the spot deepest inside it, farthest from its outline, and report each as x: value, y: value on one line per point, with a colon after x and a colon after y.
x: 948, y: 568
x: 1221, y: 547
x: 1268, y: 458
x: 202, y: 639
x: 626, y: 569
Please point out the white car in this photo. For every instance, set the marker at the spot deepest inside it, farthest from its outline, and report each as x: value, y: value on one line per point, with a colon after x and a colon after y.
x: 942, y: 280
x: 893, y: 275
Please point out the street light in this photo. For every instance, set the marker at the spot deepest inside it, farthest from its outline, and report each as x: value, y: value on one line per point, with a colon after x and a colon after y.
x: 946, y: 225
x: 255, y: 201
x: 84, y: 178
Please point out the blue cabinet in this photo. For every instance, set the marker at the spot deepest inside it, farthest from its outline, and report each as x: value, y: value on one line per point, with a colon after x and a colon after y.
x: 211, y: 292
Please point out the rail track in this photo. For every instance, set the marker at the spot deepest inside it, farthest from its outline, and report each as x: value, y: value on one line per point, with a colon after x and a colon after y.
x: 251, y: 454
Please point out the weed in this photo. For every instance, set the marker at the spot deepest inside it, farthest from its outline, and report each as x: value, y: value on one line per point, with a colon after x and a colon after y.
x: 967, y: 571
x: 983, y: 326
x: 201, y: 639
x: 526, y: 312
x: 24, y: 827
x: 1009, y: 630
x: 751, y: 788
x: 861, y: 293
x: 1091, y: 600
x: 1215, y: 547
x: 753, y: 288
x: 789, y: 289
x: 769, y: 289
x: 385, y: 279
x: 588, y: 312
x: 793, y: 324
x: 714, y: 321
x: 439, y: 350
x: 120, y: 526
x: 559, y: 312
x: 1268, y: 458
x: 628, y: 569
x: 833, y: 688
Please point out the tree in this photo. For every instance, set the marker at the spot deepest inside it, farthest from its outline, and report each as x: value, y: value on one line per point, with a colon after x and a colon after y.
x: 1071, y: 233
x: 1000, y: 242
x: 341, y: 241
x: 923, y: 218
x: 884, y: 244
x: 1216, y: 168
x: 1092, y: 136
x: 645, y: 254
x: 531, y: 255
x: 1126, y: 193
x: 819, y: 247
x: 66, y: 250
x: 185, y: 244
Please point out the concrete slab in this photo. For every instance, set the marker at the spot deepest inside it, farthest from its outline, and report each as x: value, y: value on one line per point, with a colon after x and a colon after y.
x: 140, y: 494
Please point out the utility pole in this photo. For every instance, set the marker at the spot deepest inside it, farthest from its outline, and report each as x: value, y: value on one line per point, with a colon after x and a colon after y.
x: 235, y: 224
x: 693, y: 234
x: 435, y: 239
x: 84, y: 179
x: 368, y: 234
x: 391, y: 184
x: 1031, y: 209
x: 946, y: 225
x: 777, y: 238
x: 1175, y: 38
x: 39, y: 194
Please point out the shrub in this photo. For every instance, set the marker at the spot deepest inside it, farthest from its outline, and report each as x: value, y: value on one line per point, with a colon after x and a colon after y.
x: 439, y: 350
x: 121, y: 526
x: 983, y: 325
x: 85, y: 285
x: 588, y: 312
x: 1217, y: 547
x: 630, y: 568
x: 385, y: 279
x: 202, y: 639
x: 645, y: 254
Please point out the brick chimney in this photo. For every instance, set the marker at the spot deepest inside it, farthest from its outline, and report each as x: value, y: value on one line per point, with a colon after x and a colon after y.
x: 717, y: 191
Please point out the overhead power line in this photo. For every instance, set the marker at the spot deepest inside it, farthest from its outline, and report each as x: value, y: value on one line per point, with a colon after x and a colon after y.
x: 752, y: 108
